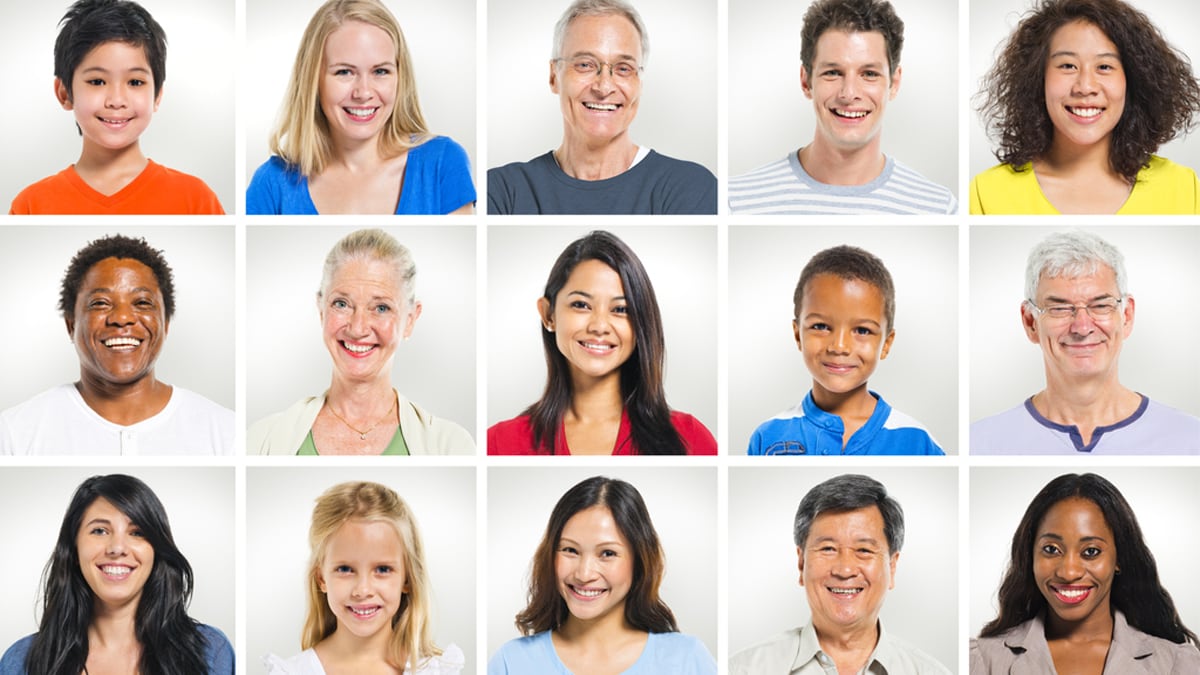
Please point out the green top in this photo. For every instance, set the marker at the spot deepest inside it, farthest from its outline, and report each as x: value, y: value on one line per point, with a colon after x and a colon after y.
x: 396, y: 446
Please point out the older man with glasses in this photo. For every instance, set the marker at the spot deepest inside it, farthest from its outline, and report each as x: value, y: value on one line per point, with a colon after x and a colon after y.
x: 1079, y: 310
x: 599, y: 57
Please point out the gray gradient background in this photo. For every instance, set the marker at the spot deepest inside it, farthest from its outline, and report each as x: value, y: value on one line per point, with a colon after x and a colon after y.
x: 992, y: 22
x: 682, y: 504
x: 765, y: 596
x: 199, y: 503
x: 193, y: 129
x: 286, y: 358
x: 767, y: 374
x: 279, y: 505
x: 1006, y: 368
x: 681, y: 263
x: 198, y: 351
x: 677, y: 115
x: 441, y: 43
x: 769, y: 116
x: 1163, y: 499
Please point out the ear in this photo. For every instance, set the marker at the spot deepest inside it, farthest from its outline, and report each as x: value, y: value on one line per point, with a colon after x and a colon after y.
x: 70, y: 321
x: 553, y: 77
x: 796, y: 334
x: 1127, y: 313
x: 320, y: 307
x: 320, y: 581
x: 805, y: 83
x: 892, y: 565
x: 412, y: 319
x: 895, y: 87
x: 887, y: 345
x: 63, y: 96
x: 158, y: 98
x: 800, y: 563
x: 547, y: 315
x: 1029, y: 322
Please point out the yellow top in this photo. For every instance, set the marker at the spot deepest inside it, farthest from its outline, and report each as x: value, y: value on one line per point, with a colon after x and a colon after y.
x: 1162, y: 188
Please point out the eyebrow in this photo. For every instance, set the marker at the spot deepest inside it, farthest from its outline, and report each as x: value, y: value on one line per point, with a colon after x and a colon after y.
x: 861, y: 540
x: 102, y: 69
x: 818, y: 315
x: 1056, y: 299
x: 874, y: 65
x: 610, y: 544
x: 589, y: 296
x: 139, y: 289
x: 341, y: 64
x: 619, y: 57
x: 1101, y: 55
x: 1059, y: 537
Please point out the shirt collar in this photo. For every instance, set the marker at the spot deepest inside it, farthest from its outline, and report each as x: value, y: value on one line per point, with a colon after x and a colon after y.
x: 884, y: 654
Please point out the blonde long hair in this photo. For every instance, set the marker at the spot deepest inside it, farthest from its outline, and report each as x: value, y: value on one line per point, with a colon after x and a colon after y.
x: 411, y: 640
x: 301, y: 137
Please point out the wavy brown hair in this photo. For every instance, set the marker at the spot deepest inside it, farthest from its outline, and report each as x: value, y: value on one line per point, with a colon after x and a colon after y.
x: 1162, y: 96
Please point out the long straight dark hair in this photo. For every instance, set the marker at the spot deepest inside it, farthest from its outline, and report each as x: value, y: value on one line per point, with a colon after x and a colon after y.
x: 644, y: 609
x: 171, y: 642
x: 1137, y: 591
x: 642, y: 391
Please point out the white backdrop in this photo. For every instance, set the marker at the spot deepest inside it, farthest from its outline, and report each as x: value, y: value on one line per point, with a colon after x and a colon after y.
x: 770, y: 117
x: 440, y: 37
x: 1006, y: 368
x: 279, y: 503
x: 193, y: 129
x: 198, y: 351
x: 682, y: 503
x: 199, y: 504
x: 286, y: 357
x: 681, y: 263
x: 991, y: 24
x: 678, y: 111
x: 765, y: 596
x: 1000, y: 495
x: 766, y: 370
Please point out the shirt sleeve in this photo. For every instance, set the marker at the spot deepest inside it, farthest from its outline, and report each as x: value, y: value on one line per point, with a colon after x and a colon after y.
x: 264, y: 196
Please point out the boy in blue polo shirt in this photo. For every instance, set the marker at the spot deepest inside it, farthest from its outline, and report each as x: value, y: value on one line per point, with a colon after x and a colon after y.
x: 845, y: 307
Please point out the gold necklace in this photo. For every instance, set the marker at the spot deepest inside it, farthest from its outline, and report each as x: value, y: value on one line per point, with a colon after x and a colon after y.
x: 362, y: 433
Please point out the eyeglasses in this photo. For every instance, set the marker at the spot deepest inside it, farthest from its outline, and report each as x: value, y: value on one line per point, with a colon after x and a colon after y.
x: 587, y: 67
x: 1099, y: 311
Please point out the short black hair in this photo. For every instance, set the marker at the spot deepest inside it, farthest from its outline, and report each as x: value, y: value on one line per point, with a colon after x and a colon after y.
x: 850, y: 492
x: 850, y: 262
x: 855, y: 16
x: 90, y: 23
x: 120, y: 247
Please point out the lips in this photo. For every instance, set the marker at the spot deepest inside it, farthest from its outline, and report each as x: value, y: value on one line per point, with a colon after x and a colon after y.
x: 849, y: 114
x: 1085, y: 112
x: 116, y: 572
x: 357, y: 350
x: 601, y: 107
x: 115, y: 122
x: 122, y: 344
x: 838, y: 368
x: 844, y: 592
x: 597, y: 348
x: 361, y: 114
x: 586, y: 594
x: 364, y: 612
x: 1071, y: 595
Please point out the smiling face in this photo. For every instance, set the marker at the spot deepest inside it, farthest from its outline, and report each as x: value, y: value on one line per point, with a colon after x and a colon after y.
x: 364, y: 314
x: 1075, y: 560
x: 593, y: 565
x: 1085, y: 85
x: 363, y: 576
x: 846, y: 569
x: 850, y: 87
x: 590, y: 321
x: 357, y: 87
x: 119, y: 322
x: 114, y: 557
x: 112, y: 95
x: 1081, y: 347
x: 842, y: 332
x: 598, y: 108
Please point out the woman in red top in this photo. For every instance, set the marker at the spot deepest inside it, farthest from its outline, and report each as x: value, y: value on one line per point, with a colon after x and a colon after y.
x: 603, y: 337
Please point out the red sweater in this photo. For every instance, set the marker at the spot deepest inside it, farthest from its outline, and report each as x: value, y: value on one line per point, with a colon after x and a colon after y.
x: 515, y: 437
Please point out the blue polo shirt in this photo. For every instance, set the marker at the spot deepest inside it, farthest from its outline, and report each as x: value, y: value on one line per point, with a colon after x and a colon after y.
x: 808, y: 430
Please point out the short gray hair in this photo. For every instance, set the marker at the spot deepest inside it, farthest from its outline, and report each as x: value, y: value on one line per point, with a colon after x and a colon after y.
x: 600, y: 8
x: 850, y: 492
x: 1073, y: 254
x: 377, y: 245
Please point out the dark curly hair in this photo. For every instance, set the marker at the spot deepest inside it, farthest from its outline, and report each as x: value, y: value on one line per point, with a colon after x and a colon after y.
x: 120, y: 247
x: 856, y: 16
x: 1162, y: 96
x: 850, y: 262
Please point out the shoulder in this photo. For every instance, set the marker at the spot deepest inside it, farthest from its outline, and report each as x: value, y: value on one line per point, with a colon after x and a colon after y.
x: 432, y: 435
x: 538, y: 166
x: 450, y: 662
x: 1161, y: 413
x: 696, y: 437
x: 916, y: 439
x: 197, y: 404
x: 304, y: 663
x: 523, y: 655
x: 1164, y: 169
x: 998, y: 433
x: 678, y: 168
x: 511, y: 437
x: 218, y: 653
x: 13, y: 661
x: 919, y: 191
x: 783, y: 434
x: 194, y: 195
x: 999, y: 651
x: 274, y: 168
x: 680, y: 653
x: 775, y: 654
x: 908, y: 658
x: 273, y: 434
x: 439, y: 147
x: 28, y: 201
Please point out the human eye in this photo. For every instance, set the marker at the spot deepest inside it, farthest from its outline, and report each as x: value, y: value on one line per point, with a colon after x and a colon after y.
x: 137, y: 82
x: 339, y: 303
x: 863, y: 330
x: 1092, y: 552
x: 383, y: 308
x: 568, y: 550
x: 95, y: 82
x: 579, y: 304
x: 608, y: 553
x: 137, y: 532
x: 625, y: 69
x: 341, y: 72
x: 831, y: 73
x: 1049, y: 549
x: 818, y: 326
x: 872, y: 74
x: 384, y: 569
x: 98, y: 303
x: 621, y: 309
x: 383, y: 71
x: 1061, y: 311
x: 343, y: 569
x: 1103, y: 308
x: 585, y: 66
x: 98, y: 530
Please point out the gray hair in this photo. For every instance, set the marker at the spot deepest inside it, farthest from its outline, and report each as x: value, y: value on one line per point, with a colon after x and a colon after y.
x: 600, y: 8
x: 849, y: 492
x: 372, y: 244
x: 1073, y: 254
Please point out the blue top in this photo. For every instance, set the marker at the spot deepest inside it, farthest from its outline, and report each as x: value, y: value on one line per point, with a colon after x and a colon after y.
x: 673, y: 653
x: 218, y: 654
x: 808, y: 430
x: 437, y: 180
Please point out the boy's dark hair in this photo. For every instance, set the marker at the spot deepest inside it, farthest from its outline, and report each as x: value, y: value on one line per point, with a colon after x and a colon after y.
x: 90, y: 23
x: 850, y: 262
x: 855, y: 16
x: 121, y: 247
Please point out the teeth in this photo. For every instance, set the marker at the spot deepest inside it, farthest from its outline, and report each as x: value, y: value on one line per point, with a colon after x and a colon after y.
x: 600, y: 106
x: 368, y: 611
x: 122, y: 342
x: 1072, y: 592
x: 360, y: 112
x: 855, y: 114
x: 358, y: 349
x: 1086, y: 112
x: 589, y: 593
x: 591, y: 345
x: 845, y: 591
x: 116, y: 570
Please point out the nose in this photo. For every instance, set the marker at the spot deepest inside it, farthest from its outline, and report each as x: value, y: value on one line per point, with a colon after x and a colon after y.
x: 849, y: 89
x: 1085, y: 82
x: 1071, y: 567
x: 599, y: 323
x: 116, y: 545
x: 585, y: 568
x: 362, y: 586
x: 114, y: 96
x: 359, y: 321
x: 1082, y: 322
x: 361, y: 91
x: 603, y: 81
x: 839, y: 341
x: 121, y: 314
x: 843, y: 566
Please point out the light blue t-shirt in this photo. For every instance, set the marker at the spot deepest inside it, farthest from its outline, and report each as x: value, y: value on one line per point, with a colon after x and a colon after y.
x: 665, y: 653
x: 807, y: 430
x: 218, y: 654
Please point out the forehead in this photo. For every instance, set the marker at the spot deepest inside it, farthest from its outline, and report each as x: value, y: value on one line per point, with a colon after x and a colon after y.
x: 595, y: 523
x: 378, y: 274
x: 865, y: 522
x: 102, y: 508
x: 364, y: 538
x: 827, y: 292
x: 1085, y: 286
x: 115, y: 55
x: 359, y: 39
x: 594, y: 274
x: 1076, y: 515
x: 114, y: 273
x: 838, y: 45
x: 602, y: 34
x: 1081, y: 37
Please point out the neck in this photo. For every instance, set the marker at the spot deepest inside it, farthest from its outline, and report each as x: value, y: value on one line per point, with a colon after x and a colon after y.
x: 361, y: 401
x: 832, y: 165
x: 1097, y: 626
x: 95, y: 158
x: 848, y: 646
x: 342, y: 646
x: 113, y: 626
x: 1066, y: 159
x: 602, y: 630
x: 1096, y: 401
x: 358, y: 155
x: 595, y: 399
x: 589, y: 159
x: 858, y: 402
x: 124, y: 404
